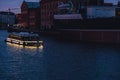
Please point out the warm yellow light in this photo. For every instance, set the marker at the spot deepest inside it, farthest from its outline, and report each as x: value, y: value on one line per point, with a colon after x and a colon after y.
x: 21, y: 46
x: 14, y: 45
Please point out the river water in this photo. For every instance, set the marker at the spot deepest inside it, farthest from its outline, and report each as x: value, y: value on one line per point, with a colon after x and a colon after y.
x: 59, y: 60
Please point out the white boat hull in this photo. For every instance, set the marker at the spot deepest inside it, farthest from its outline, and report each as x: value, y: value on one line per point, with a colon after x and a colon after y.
x: 24, y: 43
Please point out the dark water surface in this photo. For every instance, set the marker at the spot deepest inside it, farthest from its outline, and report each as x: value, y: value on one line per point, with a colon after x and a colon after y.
x: 59, y: 60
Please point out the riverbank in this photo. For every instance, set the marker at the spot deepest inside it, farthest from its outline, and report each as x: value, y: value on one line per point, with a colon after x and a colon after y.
x: 99, y: 36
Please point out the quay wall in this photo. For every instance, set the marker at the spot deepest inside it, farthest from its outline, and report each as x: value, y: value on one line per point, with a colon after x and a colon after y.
x: 107, y: 36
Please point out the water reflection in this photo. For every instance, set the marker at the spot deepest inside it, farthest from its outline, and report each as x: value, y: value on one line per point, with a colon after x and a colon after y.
x: 27, y: 49
x: 58, y: 60
x: 108, y: 67
x: 22, y: 63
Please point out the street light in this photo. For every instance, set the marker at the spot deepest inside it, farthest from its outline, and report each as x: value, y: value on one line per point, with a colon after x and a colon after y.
x: 8, y: 18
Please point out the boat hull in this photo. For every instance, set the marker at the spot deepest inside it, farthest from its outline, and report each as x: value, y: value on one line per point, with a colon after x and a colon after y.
x: 24, y: 43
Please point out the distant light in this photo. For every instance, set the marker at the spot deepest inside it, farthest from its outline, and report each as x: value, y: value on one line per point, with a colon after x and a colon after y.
x: 8, y: 25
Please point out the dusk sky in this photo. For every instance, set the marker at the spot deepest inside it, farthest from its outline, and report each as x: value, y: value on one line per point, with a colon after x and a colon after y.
x: 5, y: 4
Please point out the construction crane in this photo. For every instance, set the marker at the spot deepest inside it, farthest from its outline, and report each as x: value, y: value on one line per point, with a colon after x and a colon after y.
x: 11, y: 9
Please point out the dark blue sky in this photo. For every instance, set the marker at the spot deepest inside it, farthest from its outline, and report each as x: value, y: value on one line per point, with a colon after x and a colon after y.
x: 5, y: 4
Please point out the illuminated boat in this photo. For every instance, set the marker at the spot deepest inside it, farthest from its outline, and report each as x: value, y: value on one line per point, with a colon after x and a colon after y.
x: 25, y: 39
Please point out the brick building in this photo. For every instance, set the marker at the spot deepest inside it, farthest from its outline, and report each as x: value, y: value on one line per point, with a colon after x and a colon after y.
x: 19, y: 18
x: 30, y: 12
x: 48, y: 9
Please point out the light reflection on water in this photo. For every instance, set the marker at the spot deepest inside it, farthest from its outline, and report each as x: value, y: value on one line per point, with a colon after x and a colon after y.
x: 58, y: 60
x: 20, y: 48
x: 21, y: 63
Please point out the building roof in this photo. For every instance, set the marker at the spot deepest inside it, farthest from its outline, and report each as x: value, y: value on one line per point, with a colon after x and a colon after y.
x: 6, y: 13
x: 33, y: 4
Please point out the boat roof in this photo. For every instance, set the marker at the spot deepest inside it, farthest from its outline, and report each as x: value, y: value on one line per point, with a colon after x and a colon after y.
x: 25, y: 34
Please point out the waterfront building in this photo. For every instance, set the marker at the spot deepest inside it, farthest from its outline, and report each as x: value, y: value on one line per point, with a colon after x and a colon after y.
x: 108, y: 4
x: 117, y: 12
x: 118, y: 3
x: 95, y: 17
x: 95, y: 2
x: 101, y: 11
x: 7, y: 19
x: 48, y: 9
x: 19, y: 19
x: 30, y: 15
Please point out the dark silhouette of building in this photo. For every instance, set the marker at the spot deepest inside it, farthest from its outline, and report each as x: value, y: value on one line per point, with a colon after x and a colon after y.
x: 48, y: 9
x: 19, y: 18
x: 119, y: 3
x: 95, y: 2
x: 7, y: 19
x: 30, y: 12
